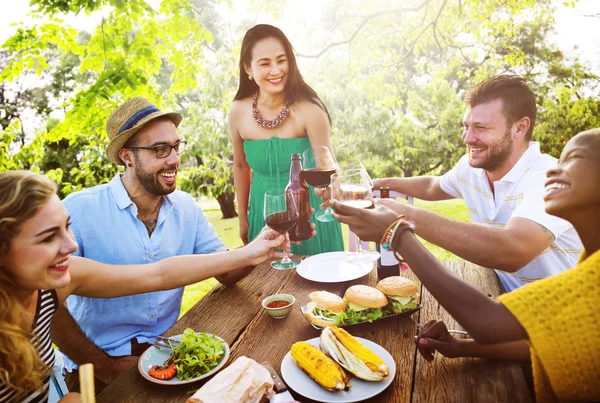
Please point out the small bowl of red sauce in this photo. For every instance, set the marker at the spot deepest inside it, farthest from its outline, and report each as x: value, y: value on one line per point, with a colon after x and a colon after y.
x: 279, y: 305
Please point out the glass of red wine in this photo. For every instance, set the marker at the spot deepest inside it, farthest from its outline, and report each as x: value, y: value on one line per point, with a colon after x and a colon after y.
x: 318, y: 165
x: 281, y: 214
x: 355, y: 189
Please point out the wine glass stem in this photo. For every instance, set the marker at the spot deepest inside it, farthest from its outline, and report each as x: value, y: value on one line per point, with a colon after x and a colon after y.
x: 285, y: 259
x: 359, y: 248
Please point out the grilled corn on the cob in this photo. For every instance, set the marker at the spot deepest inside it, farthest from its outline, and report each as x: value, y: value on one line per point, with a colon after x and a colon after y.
x: 372, y: 360
x: 348, y: 356
x: 319, y: 367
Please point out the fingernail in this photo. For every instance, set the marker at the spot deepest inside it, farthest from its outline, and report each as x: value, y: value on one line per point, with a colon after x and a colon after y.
x: 280, y: 238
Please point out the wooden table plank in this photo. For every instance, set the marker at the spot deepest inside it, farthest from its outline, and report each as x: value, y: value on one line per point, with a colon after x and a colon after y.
x: 395, y: 335
x: 224, y: 311
x: 235, y: 314
x: 466, y: 379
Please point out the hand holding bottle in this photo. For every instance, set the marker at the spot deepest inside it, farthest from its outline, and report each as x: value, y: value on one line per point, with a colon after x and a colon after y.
x: 297, y: 191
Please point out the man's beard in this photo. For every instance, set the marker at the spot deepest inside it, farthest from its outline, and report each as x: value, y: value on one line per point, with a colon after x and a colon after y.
x: 497, y: 154
x: 150, y: 181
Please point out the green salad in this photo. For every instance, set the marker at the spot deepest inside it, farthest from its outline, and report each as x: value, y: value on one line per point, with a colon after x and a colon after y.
x: 197, y: 354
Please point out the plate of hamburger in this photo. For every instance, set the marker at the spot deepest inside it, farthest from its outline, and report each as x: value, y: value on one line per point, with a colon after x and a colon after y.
x: 392, y: 297
x: 332, y: 267
x: 338, y: 367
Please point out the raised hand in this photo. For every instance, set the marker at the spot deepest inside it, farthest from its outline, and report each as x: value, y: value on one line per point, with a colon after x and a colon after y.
x: 264, y: 245
x: 313, y: 229
x: 434, y: 336
x: 368, y: 224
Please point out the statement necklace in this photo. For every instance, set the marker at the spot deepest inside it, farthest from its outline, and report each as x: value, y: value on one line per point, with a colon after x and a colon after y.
x: 273, y: 123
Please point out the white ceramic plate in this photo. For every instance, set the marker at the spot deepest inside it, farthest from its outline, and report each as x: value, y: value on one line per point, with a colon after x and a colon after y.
x: 157, y: 356
x: 359, y: 390
x: 331, y: 267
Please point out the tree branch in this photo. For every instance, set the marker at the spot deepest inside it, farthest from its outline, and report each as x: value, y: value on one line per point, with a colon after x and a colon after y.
x: 361, y: 25
x: 426, y: 171
x: 413, y: 44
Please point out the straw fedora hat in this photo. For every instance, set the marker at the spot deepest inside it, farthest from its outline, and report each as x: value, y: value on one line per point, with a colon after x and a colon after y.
x: 127, y: 119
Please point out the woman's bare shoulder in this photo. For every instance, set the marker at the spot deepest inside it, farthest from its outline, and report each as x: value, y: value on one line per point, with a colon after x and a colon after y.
x: 306, y: 107
x: 307, y: 112
x: 240, y: 105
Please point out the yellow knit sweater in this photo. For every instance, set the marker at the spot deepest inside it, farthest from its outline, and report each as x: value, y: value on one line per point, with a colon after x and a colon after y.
x: 561, y: 315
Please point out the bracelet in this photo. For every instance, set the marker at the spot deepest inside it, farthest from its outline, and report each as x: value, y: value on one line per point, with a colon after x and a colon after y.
x: 387, y: 234
x: 402, y: 225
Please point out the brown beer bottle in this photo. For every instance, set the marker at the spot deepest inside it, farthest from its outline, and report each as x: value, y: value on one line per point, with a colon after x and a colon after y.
x: 299, y: 191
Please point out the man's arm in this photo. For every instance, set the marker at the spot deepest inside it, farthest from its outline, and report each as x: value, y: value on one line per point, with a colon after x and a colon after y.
x: 67, y: 335
x: 508, y: 249
x: 421, y: 187
x: 231, y: 278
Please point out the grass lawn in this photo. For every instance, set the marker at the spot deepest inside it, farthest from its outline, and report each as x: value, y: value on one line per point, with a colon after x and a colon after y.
x: 228, y: 229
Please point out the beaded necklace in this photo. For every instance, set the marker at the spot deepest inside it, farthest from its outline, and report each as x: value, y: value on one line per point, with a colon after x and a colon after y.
x: 273, y: 123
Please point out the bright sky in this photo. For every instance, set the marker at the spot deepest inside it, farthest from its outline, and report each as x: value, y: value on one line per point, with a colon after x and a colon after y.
x: 577, y: 27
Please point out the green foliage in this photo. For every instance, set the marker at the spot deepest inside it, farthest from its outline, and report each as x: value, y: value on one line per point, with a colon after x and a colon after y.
x: 395, y: 89
x: 76, y: 6
x: 392, y: 75
x: 122, y: 58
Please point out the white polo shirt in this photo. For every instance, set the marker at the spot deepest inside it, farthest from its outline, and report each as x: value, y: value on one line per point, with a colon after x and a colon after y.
x: 520, y: 193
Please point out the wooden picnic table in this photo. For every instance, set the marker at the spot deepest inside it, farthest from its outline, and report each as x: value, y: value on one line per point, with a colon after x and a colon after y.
x: 235, y: 314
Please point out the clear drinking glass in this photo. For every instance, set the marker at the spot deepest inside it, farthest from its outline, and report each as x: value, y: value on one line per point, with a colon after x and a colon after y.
x: 318, y: 165
x: 354, y: 188
x: 281, y: 214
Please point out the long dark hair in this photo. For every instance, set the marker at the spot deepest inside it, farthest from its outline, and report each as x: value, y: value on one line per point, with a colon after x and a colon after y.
x: 296, y: 88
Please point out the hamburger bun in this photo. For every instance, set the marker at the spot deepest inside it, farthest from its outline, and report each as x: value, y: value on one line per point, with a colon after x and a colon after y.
x: 366, y: 296
x: 397, y: 286
x: 327, y: 300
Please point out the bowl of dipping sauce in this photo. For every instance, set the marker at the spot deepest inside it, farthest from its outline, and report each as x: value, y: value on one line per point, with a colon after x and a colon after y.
x: 278, y: 305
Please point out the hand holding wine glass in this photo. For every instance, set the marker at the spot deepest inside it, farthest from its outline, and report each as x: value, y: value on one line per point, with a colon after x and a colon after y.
x: 354, y: 188
x: 318, y: 166
x: 281, y: 214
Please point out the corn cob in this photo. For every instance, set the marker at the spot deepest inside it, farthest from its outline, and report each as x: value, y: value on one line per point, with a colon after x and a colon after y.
x: 322, y: 369
x: 372, y: 360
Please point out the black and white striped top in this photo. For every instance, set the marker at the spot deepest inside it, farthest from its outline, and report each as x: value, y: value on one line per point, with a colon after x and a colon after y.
x: 46, y: 306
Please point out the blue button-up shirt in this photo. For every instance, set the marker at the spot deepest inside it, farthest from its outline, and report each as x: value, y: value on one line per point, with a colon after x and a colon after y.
x: 106, y: 228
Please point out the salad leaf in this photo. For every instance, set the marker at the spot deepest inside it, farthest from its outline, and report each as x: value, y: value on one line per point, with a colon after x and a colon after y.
x: 398, y: 307
x: 197, y: 354
x: 351, y: 317
x: 327, y: 314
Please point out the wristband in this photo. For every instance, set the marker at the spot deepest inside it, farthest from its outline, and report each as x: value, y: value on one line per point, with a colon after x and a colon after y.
x: 401, y: 227
x: 388, y: 233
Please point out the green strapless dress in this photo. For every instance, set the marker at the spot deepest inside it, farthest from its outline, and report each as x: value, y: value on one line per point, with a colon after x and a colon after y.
x: 270, y: 163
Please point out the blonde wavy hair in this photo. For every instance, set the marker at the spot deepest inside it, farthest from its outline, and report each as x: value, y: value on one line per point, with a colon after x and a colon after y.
x: 21, y: 368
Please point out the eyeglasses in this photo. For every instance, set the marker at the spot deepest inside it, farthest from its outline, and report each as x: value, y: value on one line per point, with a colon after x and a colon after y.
x: 164, y: 150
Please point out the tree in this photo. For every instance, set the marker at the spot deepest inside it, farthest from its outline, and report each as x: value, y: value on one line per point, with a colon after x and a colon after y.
x: 394, y: 77
x: 124, y: 55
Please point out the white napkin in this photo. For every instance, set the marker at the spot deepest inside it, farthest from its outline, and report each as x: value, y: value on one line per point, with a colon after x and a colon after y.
x: 244, y: 381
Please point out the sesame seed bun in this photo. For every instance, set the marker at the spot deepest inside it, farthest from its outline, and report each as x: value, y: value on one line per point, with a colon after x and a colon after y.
x: 397, y: 286
x: 366, y: 296
x: 328, y: 300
